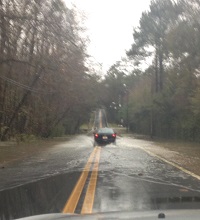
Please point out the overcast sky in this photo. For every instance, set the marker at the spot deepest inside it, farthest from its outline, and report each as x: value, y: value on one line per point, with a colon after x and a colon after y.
x: 110, y: 26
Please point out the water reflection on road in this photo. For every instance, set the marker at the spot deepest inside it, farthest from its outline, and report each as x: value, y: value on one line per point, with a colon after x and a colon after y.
x: 131, y: 179
x: 44, y: 196
x: 128, y: 179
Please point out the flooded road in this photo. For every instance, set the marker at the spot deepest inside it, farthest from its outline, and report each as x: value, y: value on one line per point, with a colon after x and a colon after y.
x: 122, y: 177
x: 66, y: 157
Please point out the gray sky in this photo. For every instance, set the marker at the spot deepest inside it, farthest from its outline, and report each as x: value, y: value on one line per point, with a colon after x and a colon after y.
x: 110, y: 26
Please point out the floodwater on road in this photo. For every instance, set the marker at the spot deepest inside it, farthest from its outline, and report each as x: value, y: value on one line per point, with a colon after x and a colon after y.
x: 12, y: 151
x: 129, y: 178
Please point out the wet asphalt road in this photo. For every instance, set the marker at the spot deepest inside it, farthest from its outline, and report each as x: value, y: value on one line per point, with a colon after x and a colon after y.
x: 128, y: 179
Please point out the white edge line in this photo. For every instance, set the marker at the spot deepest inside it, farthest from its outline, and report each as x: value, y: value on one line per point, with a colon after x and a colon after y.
x: 173, y: 164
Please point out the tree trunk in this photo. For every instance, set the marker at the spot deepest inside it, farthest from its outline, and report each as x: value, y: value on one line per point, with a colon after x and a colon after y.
x: 21, y: 103
x: 160, y: 70
x: 156, y: 73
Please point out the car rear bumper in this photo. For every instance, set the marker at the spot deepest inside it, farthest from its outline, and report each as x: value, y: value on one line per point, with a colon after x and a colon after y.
x: 108, y: 141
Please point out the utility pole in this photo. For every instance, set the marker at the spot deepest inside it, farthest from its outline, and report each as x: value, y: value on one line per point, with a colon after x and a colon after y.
x: 127, y: 111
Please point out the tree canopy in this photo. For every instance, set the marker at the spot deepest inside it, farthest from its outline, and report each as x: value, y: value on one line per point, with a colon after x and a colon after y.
x: 163, y: 100
x: 44, y: 83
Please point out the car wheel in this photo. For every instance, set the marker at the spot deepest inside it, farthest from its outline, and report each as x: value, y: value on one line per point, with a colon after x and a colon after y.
x: 94, y: 144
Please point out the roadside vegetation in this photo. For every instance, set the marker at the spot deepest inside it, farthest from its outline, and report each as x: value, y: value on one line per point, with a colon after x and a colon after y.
x: 47, y: 89
x: 44, y: 83
x: 155, y: 90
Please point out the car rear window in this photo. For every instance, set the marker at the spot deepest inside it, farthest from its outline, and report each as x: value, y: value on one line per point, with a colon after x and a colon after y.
x: 106, y: 130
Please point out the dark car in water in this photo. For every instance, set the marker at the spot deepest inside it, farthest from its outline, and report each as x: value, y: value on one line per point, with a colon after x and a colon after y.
x: 104, y: 136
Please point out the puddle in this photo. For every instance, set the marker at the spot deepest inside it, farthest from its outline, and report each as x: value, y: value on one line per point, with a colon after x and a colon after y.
x: 44, y: 196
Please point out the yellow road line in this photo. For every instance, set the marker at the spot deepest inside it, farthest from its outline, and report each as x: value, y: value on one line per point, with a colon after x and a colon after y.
x: 89, y: 197
x: 173, y: 164
x: 72, y: 202
x: 100, y: 119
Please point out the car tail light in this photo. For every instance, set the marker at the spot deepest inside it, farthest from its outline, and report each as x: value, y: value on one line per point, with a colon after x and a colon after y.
x: 96, y: 135
x: 114, y: 135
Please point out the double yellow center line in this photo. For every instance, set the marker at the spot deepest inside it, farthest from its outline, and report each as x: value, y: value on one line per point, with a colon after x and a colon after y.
x: 72, y: 202
x: 89, y: 198
x: 74, y: 198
